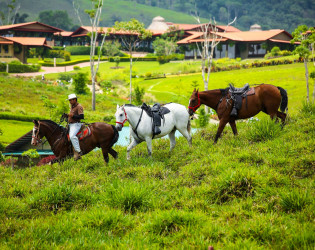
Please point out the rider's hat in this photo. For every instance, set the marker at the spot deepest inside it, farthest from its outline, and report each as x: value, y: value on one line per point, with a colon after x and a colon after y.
x: 72, y: 96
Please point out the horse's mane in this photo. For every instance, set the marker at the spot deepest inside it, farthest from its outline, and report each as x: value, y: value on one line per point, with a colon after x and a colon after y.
x: 131, y: 105
x: 224, y: 91
x: 54, y: 124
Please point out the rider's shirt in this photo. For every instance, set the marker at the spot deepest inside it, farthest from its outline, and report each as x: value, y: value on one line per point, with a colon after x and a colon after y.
x: 76, y: 109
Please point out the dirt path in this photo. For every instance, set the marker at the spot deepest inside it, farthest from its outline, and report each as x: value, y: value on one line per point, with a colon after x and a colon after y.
x: 48, y: 70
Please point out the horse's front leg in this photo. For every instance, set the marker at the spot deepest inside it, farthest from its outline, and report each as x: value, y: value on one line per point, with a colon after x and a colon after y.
x: 222, y: 124
x: 233, y: 126
x: 131, y: 146
x: 149, y: 145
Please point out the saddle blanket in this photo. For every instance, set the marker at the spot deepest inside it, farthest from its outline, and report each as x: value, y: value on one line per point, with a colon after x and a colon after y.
x: 83, y: 133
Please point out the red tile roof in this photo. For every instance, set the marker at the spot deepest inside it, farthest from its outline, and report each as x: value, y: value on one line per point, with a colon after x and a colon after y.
x: 18, y: 25
x: 228, y: 28
x: 28, y: 41
x: 241, y: 36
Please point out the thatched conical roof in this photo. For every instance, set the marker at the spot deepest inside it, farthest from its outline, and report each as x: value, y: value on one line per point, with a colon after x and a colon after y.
x: 158, y: 23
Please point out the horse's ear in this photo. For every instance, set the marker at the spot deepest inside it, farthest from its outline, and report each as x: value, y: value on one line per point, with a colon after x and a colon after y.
x: 197, y: 90
x: 194, y: 89
x: 117, y: 106
x: 35, y: 122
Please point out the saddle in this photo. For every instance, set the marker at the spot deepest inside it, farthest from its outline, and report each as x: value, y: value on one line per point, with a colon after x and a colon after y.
x: 84, y: 132
x: 156, y: 112
x: 237, y: 95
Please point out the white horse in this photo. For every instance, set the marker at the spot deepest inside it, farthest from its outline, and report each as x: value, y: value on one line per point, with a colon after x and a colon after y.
x: 141, y: 124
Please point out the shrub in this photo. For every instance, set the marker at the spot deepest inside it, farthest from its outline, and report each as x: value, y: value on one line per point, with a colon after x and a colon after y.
x: 264, y: 129
x: 117, y: 60
x: 65, y: 76
x: 81, y: 50
x: 31, y: 154
x: 17, y: 67
x: 203, y: 118
x: 80, y: 80
x: 138, y: 95
x: 76, y: 67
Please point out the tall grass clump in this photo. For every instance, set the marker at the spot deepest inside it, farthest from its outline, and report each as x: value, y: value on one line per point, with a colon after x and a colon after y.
x: 229, y: 186
x: 172, y: 221
x: 59, y: 198
x: 129, y: 196
x: 308, y: 108
x: 294, y: 200
x: 264, y: 129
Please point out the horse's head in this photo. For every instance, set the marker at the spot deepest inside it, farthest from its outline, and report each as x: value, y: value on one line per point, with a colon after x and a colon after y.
x: 194, y: 102
x: 36, y: 136
x: 121, y: 117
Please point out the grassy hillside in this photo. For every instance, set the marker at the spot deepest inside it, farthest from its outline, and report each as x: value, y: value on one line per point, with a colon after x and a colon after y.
x: 25, y: 98
x: 112, y: 11
x: 247, y: 192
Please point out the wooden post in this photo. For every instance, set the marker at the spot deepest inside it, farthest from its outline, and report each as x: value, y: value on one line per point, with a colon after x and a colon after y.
x: 7, y: 68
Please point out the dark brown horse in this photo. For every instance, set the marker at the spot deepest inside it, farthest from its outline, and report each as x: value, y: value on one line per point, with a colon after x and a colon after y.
x: 267, y: 98
x: 102, y: 135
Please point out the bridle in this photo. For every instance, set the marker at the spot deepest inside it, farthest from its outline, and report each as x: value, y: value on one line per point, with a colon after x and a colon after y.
x: 194, y: 108
x: 122, y: 123
x: 36, y: 135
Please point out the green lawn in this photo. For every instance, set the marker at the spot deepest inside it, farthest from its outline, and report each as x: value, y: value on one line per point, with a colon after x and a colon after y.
x: 171, y: 89
x: 12, y: 130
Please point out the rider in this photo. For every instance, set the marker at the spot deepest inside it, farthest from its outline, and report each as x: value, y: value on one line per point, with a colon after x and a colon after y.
x: 74, y: 117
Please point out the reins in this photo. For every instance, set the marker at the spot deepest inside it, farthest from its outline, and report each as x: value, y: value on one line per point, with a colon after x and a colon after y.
x: 134, y: 130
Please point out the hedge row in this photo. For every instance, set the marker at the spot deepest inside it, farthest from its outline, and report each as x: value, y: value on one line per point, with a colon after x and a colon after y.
x: 139, y: 59
x: 19, y: 68
x: 80, y: 50
x: 74, y: 62
x: 24, y: 118
x: 217, y: 68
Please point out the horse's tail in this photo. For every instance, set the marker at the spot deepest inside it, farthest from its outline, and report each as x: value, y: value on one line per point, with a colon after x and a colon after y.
x: 284, y: 99
x: 115, y: 137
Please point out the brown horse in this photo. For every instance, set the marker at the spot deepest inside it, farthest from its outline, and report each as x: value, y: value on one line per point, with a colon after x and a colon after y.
x: 267, y: 98
x: 102, y: 135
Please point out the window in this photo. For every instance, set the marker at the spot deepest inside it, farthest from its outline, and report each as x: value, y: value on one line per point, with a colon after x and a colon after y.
x: 6, y: 48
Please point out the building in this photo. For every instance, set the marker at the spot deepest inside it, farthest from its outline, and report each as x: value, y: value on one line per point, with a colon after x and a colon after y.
x: 30, y: 29
x: 242, y: 44
x: 15, y: 48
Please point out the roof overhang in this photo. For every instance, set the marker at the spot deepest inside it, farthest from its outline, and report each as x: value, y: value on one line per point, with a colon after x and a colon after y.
x: 283, y: 41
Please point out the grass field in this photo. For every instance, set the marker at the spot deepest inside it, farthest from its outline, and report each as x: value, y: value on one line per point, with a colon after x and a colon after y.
x: 20, y: 97
x: 254, y: 191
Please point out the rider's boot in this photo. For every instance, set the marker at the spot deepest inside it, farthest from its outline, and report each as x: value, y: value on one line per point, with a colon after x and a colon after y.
x: 76, y: 155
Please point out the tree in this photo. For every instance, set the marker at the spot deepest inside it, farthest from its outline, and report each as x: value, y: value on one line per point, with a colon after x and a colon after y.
x: 135, y: 32
x: 111, y: 48
x: 164, y: 47
x: 211, y: 39
x: 8, y: 11
x: 95, y: 15
x: 58, y: 18
x: 305, y: 39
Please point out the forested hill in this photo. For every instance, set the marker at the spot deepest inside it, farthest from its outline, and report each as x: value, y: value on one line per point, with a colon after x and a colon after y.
x: 270, y: 14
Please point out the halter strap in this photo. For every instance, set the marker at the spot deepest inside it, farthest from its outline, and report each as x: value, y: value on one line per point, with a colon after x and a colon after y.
x: 197, y: 106
x: 36, y: 136
x: 122, y: 123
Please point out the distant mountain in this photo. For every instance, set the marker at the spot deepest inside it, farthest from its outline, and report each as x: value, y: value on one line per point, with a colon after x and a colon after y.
x: 284, y: 14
